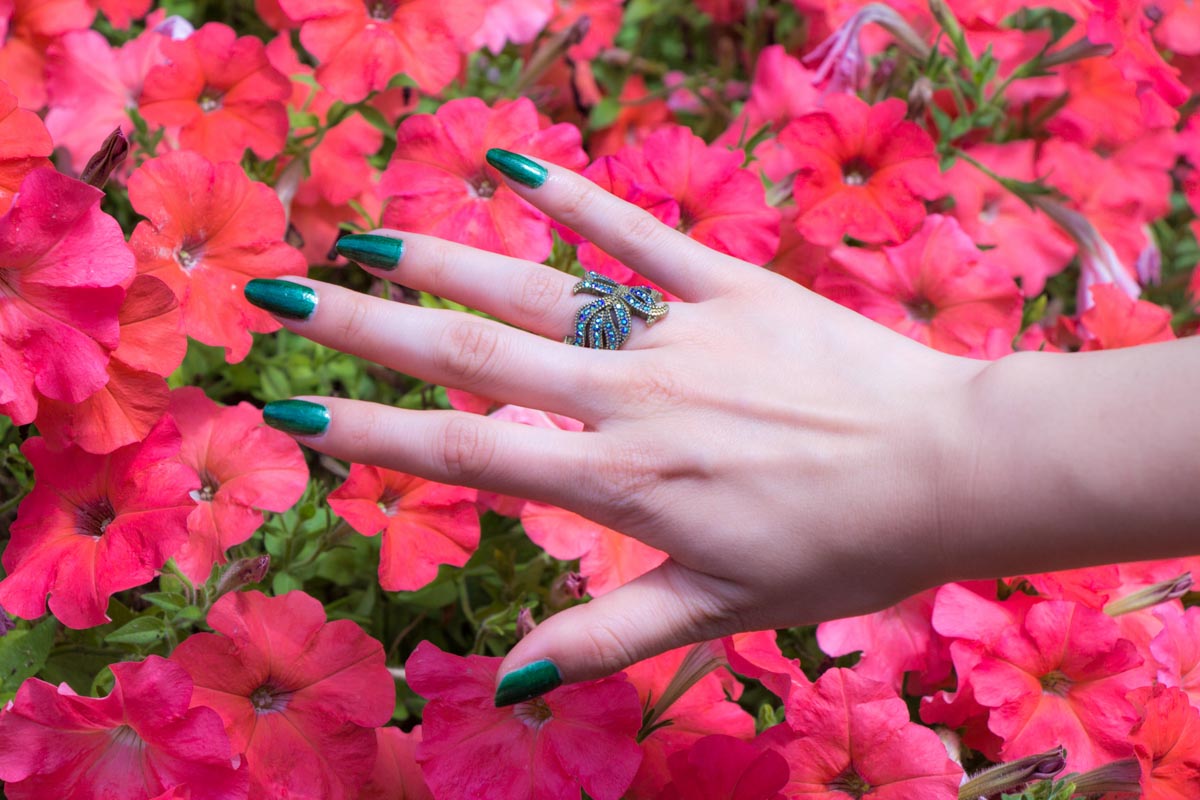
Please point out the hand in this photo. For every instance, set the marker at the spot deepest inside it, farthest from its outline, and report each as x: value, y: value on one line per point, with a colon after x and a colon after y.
x: 786, y: 452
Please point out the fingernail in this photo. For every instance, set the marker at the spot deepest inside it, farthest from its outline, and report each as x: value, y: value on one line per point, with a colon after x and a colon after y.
x: 517, y: 167
x: 381, y: 252
x: 297, y: 417
x: 528, y: 682
x: 285, y: 298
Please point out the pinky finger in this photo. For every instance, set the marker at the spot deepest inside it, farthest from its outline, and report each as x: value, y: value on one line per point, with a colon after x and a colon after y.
x: 452, y: 447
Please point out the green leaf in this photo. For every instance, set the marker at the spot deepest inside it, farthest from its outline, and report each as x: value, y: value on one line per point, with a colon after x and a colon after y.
x: 604, y: 113
x: 168, y: 601
x: 141, y: 631
x: 23, y: 652
x: 401, y: 80
x: 377, y: 120
x: 283, y: 583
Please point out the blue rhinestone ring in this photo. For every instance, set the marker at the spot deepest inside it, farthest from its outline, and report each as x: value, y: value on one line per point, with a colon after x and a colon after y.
x: 604, y: 323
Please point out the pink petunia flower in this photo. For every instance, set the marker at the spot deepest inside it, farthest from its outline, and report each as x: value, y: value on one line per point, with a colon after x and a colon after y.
x: 95, y: 525
x: 607, y: 559
x: 27, y: 27
x: 1166, y: 741
x: 64, y: 263
x: 424, y: 524
x: 222, y: 92
x: 932, y: 288
x: 862, y: 171
x: 24, y: 145
x: 397, y: 775
x: 439, y: 182
x: 141, y: 740
x: 91, y: 87
x: 706, y: 708
x: 1117, y: 320
x: 516, y: 21
x: 721, y: 767
x: 299, y: 696
x: 604, y: 22
x: 209, y: 230
x: 849, y: 735
x: 576, y: 736
x: 1176, y: 649
x: 124, y: 410
x: 1048, y: 672
x: 895, y: 641
x: 699, y: 189
x: 245, y: 468
x: 360, y: 46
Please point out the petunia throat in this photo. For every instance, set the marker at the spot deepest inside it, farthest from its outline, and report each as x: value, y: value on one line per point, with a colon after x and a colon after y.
x: 851, y: 783
x: 93, y: 518
x: 381, y: 10
x: 534, y: 713
x: 268, y: 698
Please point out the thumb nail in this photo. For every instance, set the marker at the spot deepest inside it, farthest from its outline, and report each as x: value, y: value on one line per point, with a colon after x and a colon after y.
x: 530, y: 681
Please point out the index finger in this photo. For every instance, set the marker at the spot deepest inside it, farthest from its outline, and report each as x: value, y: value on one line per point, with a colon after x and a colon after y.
x: 673, y: 260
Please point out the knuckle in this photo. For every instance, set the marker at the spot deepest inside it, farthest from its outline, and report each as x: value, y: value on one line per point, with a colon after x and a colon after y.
x: 632, y: 474
x: 539, y: 294
x: 575, y: 205
x: 365, y: 431
x: 467, y: 352
x: 658, y: 386
x: 467, y: 448
x: 353, y: 321
x: 437, y: 268
x: 609, y: 653
x: 641, y: 234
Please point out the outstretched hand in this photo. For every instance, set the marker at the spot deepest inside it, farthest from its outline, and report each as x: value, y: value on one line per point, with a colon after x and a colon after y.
x: 787, y: 453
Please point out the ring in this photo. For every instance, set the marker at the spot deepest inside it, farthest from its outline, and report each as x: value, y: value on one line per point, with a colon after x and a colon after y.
x: 604, y: 324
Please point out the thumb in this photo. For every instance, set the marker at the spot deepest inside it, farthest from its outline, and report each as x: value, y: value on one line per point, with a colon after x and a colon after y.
x: 668, y: 607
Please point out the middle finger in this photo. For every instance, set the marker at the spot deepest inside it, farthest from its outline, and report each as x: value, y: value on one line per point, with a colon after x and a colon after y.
x: 452, y: 348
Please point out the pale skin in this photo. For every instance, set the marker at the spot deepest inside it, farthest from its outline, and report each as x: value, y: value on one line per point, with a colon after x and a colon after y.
x: 798, y: 461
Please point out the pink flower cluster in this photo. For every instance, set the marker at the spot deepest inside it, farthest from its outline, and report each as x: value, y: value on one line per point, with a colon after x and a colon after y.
x: 249, y: 158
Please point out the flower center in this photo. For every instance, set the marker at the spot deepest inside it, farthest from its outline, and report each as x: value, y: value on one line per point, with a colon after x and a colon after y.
x: 856, y: 172
x: 921, y: 309
x: 990, y: 210
x: 268, y: 698
x: 189, y: 254
x: 535, y: 713
x: 390, y: 503
x: 208, y: 488
x: 125, y: 736
x: 483, y: 187
x: 851, y: 783
x: 1056, y: 683
x: 210, y: 99
x: 381, y: 10
x: 94, y: 518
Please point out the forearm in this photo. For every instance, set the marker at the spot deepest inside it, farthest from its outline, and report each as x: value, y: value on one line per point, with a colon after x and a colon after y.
x: 1073, y: 460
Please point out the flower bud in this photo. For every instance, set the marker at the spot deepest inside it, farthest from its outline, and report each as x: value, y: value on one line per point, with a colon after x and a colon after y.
x: 525, y: 623
x: 1151, y: 596
x: 242, y: 572
x: 7, y: 623
x: 112, y: 154
x: 568, y: 587
x: 1014, y: 774
x: 1119, y: 776
x: 702, y: 659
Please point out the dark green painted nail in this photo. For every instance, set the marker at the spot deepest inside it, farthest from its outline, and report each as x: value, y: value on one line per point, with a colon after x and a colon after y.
x: 528, y: 682
x: 381, y: 252
x: 297, y: 417
x: 287, y: 299
x: 517, y: 167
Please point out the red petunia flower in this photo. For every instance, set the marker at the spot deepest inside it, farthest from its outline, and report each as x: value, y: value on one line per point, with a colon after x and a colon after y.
x: 27, y: 27
x: 361, y: 46
x: 1117, y: 320
x: 245, y: 468
x: 222, y: 92
x: 137, y: 742
x: 1048, y: 672
x: 576, y: 736
x: 933, y: 288
x: 122, y: 12
x: 699, y: 189
x: 25, y: 145
x: 861, y: 171
x: 439, y: 182
x: 210, y: 230
x: 721, y: 767
x: 299, y: 696
x: 424, y: 524
x: 849, y: 735
x: 63, y: 263
x: 604, y: 22
x: 397, y: 775
x: 1176, y: 649
x: 95, y: 525
x: 1166, y: 741
x: 124, y: 410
